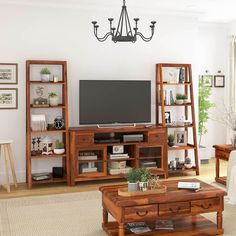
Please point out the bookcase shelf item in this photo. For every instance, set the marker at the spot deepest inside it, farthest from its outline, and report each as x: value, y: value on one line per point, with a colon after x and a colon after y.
x: 83, y: 139
x: 62, y: 109
x: 188, y: 108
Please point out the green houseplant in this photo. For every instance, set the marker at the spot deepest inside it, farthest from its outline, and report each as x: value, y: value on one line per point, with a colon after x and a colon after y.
x: 143, y: 176
x: 45, y: 74
x: 132, y: 178
x: 59, y: 147
x: 179, y: 99
x: 204, y: 105
x: 53, y: 99
x: 171, y: 139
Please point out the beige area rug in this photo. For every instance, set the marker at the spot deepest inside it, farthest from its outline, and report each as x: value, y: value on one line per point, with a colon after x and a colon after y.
x: 72, y: 214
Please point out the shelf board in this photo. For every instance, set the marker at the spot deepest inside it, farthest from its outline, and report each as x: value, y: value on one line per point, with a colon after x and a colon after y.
x: 84, y: 161
x: 168, y: 83
x: 178, y: 105
x: 182, y: 171
x: 48, y: 181
x: 154, y: 157
x: 178, y: 126
x: 49, y: 131
x: 54, y: 83
x: 189, y: 146
x: 49, y: 156
x: 51, y: 107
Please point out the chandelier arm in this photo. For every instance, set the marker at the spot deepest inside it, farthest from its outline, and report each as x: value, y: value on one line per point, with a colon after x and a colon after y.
x: 129, y: 26
x: 103, y: 38
x: 144, y: 38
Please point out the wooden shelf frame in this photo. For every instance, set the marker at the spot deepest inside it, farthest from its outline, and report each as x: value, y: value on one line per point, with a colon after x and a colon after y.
x: 64, y: 112
x: 188, y: 89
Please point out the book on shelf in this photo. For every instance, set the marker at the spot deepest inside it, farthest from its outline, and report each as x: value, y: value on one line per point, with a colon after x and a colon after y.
x: 164, y: 225
x: 41, y: 176
x: 148, y: 164
x: 84, y: 158
x: 118, y: 155
x: 168, y: 97
x: 189, y: 185
x: 89, y: 170
x: 138, y: 227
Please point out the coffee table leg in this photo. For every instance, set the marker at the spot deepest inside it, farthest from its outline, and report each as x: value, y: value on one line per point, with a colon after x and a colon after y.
x: 219, y: 220
x: 121, y: 229
x: 105, y: 216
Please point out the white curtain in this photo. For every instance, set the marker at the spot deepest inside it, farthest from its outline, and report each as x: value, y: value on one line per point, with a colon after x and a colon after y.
x: 232, y: 74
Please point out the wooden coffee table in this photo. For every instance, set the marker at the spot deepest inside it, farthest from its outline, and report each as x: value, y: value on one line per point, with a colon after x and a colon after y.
x: 182, y: 206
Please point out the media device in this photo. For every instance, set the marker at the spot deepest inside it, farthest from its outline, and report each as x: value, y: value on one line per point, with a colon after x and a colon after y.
x: 117, y: 149
x: 132, y: 138
x: 114, y: 101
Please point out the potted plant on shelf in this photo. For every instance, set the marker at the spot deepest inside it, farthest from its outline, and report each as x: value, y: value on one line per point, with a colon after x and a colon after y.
x: 179, y: 99
x: 59, y: 147
x: 188, y: 163
x: 132, y: 178
x: 171, y: 139
x: 143, y: 177
x: 204, y: 105
x: 45, y: 74
x: 53, y: 99
x: 185, y: 98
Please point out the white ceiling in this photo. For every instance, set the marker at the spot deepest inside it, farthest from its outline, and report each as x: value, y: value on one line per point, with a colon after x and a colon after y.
x: 206, y: 10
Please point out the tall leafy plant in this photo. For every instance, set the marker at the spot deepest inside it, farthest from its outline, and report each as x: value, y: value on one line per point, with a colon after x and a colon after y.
x: 204, y: 103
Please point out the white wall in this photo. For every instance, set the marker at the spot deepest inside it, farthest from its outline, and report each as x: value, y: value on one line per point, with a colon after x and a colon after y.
x: 67, y: 34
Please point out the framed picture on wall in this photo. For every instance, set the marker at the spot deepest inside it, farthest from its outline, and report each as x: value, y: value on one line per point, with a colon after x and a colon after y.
x: 8, y: 73
x: 8, y: 98
x: 168, y: 117
x: 181, y: 138
x: 219, y: 81
x: 207, y: 80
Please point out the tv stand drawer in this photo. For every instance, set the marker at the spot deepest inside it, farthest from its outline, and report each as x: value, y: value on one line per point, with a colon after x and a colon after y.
x: 84, y: 139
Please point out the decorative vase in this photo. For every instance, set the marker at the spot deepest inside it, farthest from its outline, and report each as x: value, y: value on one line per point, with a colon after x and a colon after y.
x: 54, y: 101
x: 132, y: 187
x: 179, y: 101
x: 142, y: 186
x: 45, y: 77
x: 171, y: 144
x: 188, y: 166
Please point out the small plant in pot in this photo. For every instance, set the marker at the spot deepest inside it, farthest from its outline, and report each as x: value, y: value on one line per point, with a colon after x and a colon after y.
x: 171, y: 139
x: 188, y: 163
x: 185, y: 98
x: 45, y: 74
x: 179, y: 99
x: 60, y: 149
x: 53, y: 99
x: 144, y: 175
x: 132, y: 178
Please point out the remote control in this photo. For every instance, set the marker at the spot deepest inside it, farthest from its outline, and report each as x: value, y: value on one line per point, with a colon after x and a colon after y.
x: 148, y: 126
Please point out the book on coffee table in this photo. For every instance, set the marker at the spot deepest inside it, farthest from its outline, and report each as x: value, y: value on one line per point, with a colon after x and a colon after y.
x: 164, y: 225
x: 138, y: 227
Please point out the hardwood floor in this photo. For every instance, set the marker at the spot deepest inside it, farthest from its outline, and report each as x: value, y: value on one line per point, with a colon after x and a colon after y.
x: 207, y: 172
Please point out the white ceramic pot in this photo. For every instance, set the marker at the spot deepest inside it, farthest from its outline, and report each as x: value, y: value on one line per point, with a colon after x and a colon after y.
x: 185, y: 101
x: 132, y: 187
x: 45, y: 78
x: 59, y: 151
x: 179, y: 101
x: 54, y: 101
x: 143, y: 186
x: 188, y: 166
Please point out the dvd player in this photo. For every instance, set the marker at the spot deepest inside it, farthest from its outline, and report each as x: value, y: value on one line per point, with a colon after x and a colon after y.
x: 132, y: 138
x: 107, y: 140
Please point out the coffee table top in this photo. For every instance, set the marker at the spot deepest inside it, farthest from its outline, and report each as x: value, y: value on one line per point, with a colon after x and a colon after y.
x: 173, y: 194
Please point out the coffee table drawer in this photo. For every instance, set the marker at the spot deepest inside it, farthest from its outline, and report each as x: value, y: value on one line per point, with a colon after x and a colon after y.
x: 174, y: 208
x: 140, y: 212
x: 207, y: 205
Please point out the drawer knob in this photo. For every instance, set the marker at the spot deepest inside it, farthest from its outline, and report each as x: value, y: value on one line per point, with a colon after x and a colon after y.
x: 142, y: 214
x: 175, y: 211
x: 205, y: 207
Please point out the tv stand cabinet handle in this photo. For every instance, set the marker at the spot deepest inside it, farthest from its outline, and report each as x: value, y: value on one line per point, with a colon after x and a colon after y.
x: 142, y: 214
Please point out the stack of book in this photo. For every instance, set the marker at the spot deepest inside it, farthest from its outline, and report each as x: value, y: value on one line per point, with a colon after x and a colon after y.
x: 88, y: 167
x: 41, y: 176
x: 148, y: 164
x: 168, y: 97
x: 86, y: 158
x: 118, y: 155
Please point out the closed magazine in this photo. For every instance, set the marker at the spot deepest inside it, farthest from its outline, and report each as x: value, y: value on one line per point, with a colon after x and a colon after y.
x: 138, y: 227
x: 164, y: 224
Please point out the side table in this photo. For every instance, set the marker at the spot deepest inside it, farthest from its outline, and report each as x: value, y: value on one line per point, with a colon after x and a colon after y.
x: 222, y: 152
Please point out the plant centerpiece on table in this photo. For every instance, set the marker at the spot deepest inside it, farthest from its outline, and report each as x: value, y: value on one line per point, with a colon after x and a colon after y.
x: 59, y: 147
x: 171, y: 139
x: 132, y: 178
x: 143, y: 177
x: 45, y: 74
x: 53, y: 99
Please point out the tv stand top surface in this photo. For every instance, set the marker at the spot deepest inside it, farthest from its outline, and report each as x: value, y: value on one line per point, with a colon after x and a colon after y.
x: 116, y: 129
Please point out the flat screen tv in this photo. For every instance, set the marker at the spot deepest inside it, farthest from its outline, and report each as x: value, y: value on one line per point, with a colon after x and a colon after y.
x: 114, y: 101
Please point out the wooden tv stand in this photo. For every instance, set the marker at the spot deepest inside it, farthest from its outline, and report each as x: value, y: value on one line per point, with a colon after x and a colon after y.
x: 98, y: 144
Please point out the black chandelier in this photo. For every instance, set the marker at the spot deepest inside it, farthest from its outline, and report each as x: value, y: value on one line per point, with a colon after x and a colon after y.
x: 123, y: 32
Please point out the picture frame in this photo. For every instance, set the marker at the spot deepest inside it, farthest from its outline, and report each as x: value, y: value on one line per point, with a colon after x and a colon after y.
x: 219, y: 81
x: 171, y: 75
x: 8, y: 73
x: 181, y: 138
x: 207, y: 80
x: 8, y: 98
x: 168, y: 117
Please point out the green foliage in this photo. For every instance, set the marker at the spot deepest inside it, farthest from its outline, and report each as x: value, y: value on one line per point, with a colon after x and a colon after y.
x: 184, y: 96
x: 188, y: 160
x: 52, y: 95
x: 59, y: 145
x: 204, y: 103
x: 45, y: 71
x: 143, y: 174
x: 181, y: 96
x: 171, y: 138
x: 132, y: 176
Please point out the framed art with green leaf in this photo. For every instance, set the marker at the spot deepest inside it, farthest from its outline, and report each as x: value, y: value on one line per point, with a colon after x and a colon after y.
x: 207, y: 80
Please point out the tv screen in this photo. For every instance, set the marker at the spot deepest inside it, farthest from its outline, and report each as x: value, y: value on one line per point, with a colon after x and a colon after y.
x: 114, y: 101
